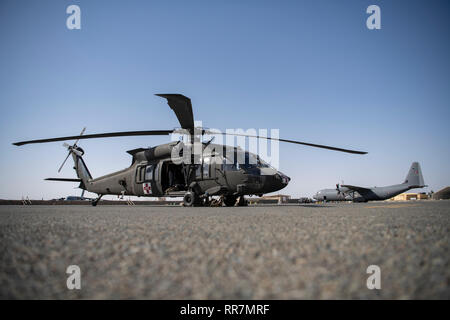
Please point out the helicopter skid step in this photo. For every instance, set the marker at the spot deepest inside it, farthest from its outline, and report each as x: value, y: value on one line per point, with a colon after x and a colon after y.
x: 175, y: 193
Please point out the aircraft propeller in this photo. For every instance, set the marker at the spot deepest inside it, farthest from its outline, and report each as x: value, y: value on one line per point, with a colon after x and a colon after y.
x: 338, y: 188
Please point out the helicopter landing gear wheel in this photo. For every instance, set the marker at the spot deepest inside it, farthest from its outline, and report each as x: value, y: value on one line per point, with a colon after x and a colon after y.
x: 242, y: 202
x: 189, y: 199
x: 229, y: 201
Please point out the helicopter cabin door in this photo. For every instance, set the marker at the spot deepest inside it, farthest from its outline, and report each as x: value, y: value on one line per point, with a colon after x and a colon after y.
x: 146, y: 180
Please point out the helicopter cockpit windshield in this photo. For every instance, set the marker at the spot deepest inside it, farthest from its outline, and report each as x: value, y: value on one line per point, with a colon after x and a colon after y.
x: 246, y: 161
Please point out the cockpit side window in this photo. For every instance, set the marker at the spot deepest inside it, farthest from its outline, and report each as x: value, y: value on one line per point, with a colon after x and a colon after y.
x: 250, y: 161
x: 262, y: 163
x: 229, y: 165
x: 198, y: 171
x: 206, y: 162
x: 253, y: 160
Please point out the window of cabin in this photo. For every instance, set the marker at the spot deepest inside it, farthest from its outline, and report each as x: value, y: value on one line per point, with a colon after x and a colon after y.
x: 149, y: 173
x: 140, y: 174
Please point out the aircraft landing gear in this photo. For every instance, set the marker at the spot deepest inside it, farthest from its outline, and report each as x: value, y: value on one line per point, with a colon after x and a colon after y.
x: 229, y: 200
x: 242, y: 202
x: 95, y: 202
x: 191, y: 199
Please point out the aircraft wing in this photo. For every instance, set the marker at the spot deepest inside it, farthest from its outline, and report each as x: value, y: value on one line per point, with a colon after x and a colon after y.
x: 360, y: 190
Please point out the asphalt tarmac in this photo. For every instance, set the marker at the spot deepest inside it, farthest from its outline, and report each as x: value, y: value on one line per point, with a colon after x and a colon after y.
x: 261, y: 252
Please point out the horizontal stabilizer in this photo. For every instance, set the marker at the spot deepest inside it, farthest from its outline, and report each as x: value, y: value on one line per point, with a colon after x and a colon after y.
x: 63, y: 179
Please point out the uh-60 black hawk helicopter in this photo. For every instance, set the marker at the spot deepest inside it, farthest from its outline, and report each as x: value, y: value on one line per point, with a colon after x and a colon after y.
x: 173, y: 170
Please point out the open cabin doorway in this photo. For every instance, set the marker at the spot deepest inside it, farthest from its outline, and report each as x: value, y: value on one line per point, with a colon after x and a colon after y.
x: 172, y: 177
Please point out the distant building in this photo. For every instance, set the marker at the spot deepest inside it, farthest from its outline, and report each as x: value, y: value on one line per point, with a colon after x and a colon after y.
x: 410, y: 196
x: 442, y: 194
x: 280, y: 198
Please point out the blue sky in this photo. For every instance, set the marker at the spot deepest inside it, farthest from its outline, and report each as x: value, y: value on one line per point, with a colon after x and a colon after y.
x: 309, y: 68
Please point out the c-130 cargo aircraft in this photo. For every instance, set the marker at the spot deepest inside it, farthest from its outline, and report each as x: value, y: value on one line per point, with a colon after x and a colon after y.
x: 346, y: 192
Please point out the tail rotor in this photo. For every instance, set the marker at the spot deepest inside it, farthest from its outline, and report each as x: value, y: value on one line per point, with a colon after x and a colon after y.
x: 72, y: 149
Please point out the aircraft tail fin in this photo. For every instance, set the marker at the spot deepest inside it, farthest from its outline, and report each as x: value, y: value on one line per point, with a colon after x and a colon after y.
x: 414, y: 179
x: 81, y: 169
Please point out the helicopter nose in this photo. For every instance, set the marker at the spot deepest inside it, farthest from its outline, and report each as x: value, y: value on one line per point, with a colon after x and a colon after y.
x: 272, y: 180
x: 284, y: 179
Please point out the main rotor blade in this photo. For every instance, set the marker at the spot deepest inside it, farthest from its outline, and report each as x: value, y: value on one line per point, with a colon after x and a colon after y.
x: 100, y: 135
x: 289, y: 141
x: 182, y: 107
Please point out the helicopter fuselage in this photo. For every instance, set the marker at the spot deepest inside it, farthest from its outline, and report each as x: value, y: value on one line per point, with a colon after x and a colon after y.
x: 153, y: 173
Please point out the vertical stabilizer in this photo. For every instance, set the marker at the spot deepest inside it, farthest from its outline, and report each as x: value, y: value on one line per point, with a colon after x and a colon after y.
x: 81, y: 169
x: 414, y: 179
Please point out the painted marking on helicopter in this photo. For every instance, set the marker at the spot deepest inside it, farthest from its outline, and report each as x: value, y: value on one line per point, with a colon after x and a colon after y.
x: 147, y: 188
